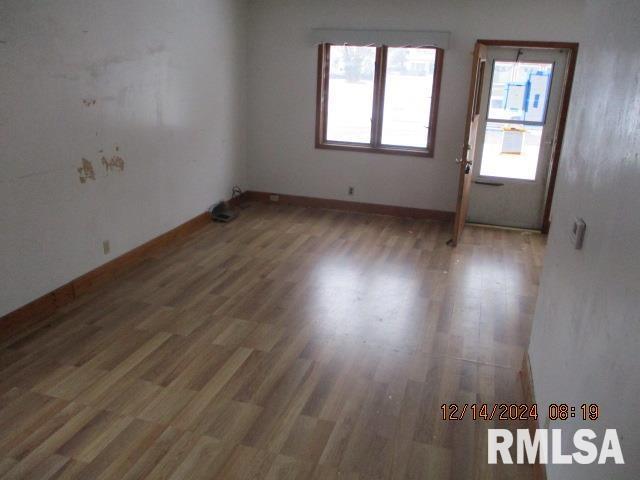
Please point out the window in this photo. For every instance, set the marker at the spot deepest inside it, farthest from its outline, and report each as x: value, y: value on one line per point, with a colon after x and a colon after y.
x: 515, y: 120
x: 378, y: 99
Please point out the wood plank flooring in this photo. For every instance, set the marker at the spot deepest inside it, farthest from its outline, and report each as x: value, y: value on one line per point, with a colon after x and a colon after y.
x: 292, y: 343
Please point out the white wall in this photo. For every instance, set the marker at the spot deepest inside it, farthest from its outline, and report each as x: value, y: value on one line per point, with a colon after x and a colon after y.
x: 585, y: 345
x: 282, y: 92
x: 168, y: 80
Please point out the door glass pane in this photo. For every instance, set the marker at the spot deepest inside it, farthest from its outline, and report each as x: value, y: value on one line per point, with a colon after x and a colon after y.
x: 350, y: 100
x: 511, y: 150
x: 407, y: 99
x: 519, y: 91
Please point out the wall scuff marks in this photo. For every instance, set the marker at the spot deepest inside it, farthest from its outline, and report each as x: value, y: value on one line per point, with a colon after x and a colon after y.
x: 86, y: 171
x: 87, y: 102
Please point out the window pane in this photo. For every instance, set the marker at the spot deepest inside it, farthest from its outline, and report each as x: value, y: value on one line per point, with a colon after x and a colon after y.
x: 407, y: 98
x: 511, y: 151
x: 350, y: 101
x: 519, y: 91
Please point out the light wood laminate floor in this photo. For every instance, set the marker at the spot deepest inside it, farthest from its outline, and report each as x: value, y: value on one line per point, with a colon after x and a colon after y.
x: 291, y: 343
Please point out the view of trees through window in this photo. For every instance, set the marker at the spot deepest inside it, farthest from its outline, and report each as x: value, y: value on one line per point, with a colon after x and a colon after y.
x: 351, y: 79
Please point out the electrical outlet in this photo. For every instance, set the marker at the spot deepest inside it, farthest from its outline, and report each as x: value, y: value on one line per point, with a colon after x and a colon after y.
x: 106, y: 247
x: 351, y: 189
x: 274, y: 198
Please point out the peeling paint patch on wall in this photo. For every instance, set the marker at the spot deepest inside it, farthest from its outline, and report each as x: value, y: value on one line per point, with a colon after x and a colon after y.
x: 116, y: 162
x: 86, y: 171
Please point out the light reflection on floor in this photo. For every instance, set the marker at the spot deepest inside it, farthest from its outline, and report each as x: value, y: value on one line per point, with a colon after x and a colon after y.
x: 472, y: 302
x: 374, y: 303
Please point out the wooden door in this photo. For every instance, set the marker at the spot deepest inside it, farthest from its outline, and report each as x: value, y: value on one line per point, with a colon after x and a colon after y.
x: 469, y: 145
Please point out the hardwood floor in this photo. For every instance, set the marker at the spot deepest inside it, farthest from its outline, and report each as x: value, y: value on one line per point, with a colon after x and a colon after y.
x: 291, y: 343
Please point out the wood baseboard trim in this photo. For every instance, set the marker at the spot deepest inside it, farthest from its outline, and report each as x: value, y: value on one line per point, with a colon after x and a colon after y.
x: 46, y: 305
x: 539, y: 470
x: 344, y: 205
x: 39, y: 309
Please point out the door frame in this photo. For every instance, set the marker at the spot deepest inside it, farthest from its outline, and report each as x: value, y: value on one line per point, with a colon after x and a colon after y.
x: 556, y: 149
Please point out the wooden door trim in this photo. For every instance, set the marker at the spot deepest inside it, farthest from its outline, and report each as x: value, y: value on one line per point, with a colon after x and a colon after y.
x: 572, y: 49
x: 472, y: 101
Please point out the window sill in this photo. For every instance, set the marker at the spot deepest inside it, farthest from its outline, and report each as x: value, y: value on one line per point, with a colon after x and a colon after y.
x: 413, y: 152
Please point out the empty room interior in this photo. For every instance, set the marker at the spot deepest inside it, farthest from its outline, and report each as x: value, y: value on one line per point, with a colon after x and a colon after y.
x: 280, y: 239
